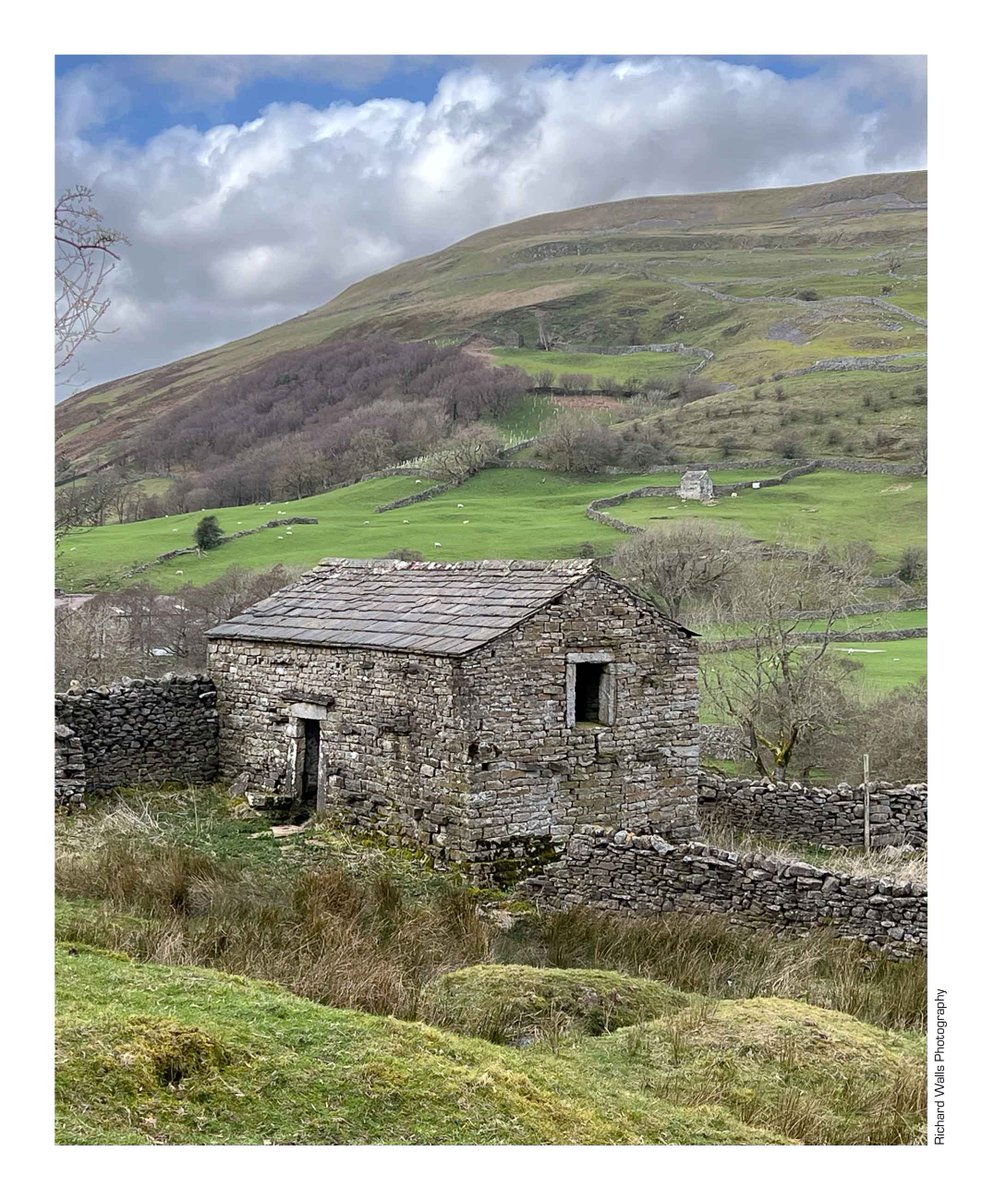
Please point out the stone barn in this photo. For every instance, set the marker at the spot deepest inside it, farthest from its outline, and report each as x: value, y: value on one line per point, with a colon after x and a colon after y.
x: 483, y: 710
x: 696, y: 485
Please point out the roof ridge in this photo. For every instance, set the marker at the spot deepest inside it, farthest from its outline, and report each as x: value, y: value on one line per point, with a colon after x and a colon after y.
x: 572, y: 566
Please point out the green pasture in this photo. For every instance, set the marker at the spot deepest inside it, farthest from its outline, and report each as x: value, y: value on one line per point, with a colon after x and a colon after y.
x: 879, y: 668
x: 513, y: 513
x: 885, y: 666
x: 621, y: 367
x: 831, y: 507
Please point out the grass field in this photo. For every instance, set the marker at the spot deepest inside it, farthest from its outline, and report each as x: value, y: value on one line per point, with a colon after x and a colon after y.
x: 158, y: 1055
x: 833, y: 507
x: 886, y: 665
x: 620, y: 367
x: 514, y: 513
x: 520, y: 513
x: 881, y: 667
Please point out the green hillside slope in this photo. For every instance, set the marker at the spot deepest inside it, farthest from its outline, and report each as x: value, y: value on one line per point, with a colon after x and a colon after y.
x: 149, y: 1054
x: 157, y: 1055
x: 767, y: 281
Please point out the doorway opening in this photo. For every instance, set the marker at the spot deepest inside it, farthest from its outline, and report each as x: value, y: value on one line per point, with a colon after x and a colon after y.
x: 311, y: 734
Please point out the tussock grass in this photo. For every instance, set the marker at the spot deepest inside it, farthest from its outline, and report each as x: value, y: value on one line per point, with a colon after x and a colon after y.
x: 362, y: 927
x: 814, y: 1076
x: 709, y: 956
x: 676, y: 1029
x: 518, y: 1004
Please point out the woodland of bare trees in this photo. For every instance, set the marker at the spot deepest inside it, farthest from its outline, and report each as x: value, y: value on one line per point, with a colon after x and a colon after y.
x: 579, y: 443
x: 141, y: 632
x: 311, y: 418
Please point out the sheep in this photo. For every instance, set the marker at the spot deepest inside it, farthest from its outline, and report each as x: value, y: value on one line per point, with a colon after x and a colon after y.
x: 438, y: 545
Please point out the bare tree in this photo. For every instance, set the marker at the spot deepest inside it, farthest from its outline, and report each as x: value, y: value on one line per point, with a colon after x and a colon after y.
x: 464, y: 453
x: 784, y: 685
x: 578, y: 442
x: 85, y: 253
x: 892, y: 731
x: 686, y: 560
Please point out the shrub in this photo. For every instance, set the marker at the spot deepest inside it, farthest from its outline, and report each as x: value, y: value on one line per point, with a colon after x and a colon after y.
x: 807, y: 294
x: 789, y: 447
x: 208, y: 533
x: 405, y: 555
x: 912, y: 566
x: 571, y: 381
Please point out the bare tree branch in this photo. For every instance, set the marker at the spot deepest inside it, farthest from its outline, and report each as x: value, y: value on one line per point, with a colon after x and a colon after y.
x: 85, y: 254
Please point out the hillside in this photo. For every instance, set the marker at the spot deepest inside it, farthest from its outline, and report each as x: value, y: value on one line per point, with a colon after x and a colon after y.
x: 768, y: 282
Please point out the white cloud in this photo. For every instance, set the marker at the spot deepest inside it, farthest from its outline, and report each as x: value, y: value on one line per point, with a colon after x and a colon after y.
x: 235, y: 227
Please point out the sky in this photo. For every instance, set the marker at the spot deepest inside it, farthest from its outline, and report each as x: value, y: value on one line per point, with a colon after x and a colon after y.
x: 254, y: 188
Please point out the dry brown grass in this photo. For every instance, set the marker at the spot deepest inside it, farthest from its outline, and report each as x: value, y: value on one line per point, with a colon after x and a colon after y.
x: 358, y: 929
x: 904, y: 864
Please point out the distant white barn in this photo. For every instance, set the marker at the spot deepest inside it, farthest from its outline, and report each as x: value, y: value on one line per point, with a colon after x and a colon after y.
x: 696, y: 485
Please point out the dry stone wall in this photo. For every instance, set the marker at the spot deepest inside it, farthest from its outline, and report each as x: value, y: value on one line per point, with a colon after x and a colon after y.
x: 720, y: 741
x: 69, y: 768
x: 816, y: 816
x: 136, y: 731
x: 645, y: 875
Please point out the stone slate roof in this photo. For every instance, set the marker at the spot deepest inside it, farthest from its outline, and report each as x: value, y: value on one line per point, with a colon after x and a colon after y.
x: 385, y: 604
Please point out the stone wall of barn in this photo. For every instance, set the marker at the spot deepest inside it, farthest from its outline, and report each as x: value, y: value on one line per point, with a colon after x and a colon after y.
x: 136, y: 731
x: 474, y: 758
x: 534, y: 777
x: 645, y: 875
x: 392, y: 755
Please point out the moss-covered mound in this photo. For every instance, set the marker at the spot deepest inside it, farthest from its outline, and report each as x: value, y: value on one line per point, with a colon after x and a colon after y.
x: 518, y: 1004
x: 179, y: 1055
x: 810, y: 1074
